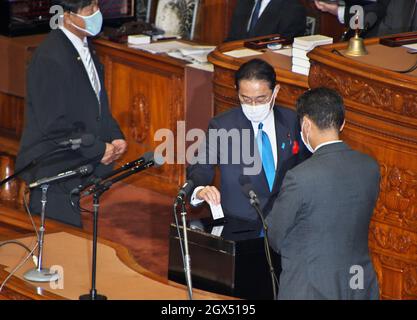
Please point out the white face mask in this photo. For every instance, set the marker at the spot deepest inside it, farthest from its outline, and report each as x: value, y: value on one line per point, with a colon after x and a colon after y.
x: 93, y: 23
x: 260, y: 112
x: 306, y: 141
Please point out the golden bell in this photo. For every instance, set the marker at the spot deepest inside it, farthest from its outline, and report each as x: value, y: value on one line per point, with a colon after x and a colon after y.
x: 356, y: 46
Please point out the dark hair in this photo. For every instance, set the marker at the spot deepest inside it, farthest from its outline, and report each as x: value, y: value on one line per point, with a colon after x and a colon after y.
x: 73, y: 5
x: 323, y: 106
x: 256, y: 69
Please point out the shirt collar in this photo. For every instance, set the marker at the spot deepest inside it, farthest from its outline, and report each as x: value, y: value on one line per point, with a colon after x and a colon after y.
x: 327, y: 143
x: 75, y: 40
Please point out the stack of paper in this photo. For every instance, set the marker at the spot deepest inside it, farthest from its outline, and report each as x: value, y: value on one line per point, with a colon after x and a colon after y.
x: 302, y: 46
x: 138, y: 39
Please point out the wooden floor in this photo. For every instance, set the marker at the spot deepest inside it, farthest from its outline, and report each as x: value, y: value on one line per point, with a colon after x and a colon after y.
x: 139, y: 219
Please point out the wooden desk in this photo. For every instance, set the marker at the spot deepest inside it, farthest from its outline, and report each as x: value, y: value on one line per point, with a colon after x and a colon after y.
x: 119, y: 276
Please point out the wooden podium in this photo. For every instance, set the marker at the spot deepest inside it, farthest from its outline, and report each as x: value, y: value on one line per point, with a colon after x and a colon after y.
x: 226, y: 258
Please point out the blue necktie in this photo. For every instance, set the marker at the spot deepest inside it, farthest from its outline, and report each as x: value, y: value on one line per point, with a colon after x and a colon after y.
x: 255, y: 15
x: 265, y: 150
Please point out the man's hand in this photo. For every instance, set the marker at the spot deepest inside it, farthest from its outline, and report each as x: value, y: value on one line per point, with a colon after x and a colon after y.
x: 108, y: 154
x: 327, y: 7
x: 120, y: 147
x: 209, y: 194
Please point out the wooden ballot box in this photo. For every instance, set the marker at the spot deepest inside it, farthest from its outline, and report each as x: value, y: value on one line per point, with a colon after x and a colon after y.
x: 227, y: 258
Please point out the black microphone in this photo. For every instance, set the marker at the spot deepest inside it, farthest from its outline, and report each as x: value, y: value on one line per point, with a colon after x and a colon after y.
x: 155, y: 160
x: 83, y: 170
x: 185, y: 190
x: 148, y: 156
x: 85, y: 140
x: 247, y: 189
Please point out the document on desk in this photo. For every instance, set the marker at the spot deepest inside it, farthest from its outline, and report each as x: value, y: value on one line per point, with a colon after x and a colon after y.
x: 162, y: 47
x: 285, y: 52
x: 241, y: 53
x: 411, y: 47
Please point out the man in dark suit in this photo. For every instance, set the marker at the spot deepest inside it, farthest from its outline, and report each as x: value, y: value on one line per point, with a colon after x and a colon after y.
x: 258, y: 124
x: 382, y: 17
x: 66, y: 98
x: 320, y: 220
x: 253, y: 18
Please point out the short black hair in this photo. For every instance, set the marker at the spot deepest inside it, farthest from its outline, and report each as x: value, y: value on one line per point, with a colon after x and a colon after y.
x: 73, y: 5
x: 323, y: 106
x: 256, y: 69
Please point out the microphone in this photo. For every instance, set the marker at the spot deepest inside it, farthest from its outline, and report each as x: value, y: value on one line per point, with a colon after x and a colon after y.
x: 185, y: 190
x: 247, y: 189
x: 154, y: 160
x: 85, y: 140
x: 148, y: 156
x: 83, y: 170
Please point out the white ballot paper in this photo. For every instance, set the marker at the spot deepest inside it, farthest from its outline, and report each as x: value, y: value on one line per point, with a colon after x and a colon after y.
x: 216, y: 211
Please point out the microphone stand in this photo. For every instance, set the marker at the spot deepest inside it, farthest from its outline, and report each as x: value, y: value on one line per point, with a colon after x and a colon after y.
x: 187, y: 258
x: 254, y: 203
x: 33, y: 163
x: 93, y: 292
x: 97, y: 191
x: 40, y: 274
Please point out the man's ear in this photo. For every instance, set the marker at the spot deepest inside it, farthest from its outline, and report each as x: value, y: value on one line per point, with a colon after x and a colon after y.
x: 343, y: 126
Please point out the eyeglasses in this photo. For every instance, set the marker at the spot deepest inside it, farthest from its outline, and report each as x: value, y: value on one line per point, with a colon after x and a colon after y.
x: 256, y: 100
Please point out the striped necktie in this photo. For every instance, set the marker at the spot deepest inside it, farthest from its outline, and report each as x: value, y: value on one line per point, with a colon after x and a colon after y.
x: 91, y: 70
x: 255, y: 15
x: 265, y: 150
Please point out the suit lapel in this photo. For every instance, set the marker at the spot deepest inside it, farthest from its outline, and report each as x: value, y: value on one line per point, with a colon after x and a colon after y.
x: 269, y: 15
x: 79, y: 63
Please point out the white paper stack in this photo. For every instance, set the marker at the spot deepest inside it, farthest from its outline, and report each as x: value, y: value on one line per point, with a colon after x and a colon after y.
x: 138, y: 39
x: 302, y: 46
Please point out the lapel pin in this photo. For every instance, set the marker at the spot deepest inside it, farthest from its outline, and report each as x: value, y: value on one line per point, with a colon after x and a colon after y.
x: 283, y: 146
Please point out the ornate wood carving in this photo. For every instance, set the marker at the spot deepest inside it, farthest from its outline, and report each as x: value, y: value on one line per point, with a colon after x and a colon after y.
x: 398, y: 197
x: 139, y: 118
x: 368, y: 93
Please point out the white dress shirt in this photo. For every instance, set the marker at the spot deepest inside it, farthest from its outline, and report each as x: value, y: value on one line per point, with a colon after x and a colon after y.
x: 269, y: 129
x: 264, y: 4
x: 79, y: 46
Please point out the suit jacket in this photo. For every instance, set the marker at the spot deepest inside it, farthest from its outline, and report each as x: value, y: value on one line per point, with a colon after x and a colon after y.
x: 319, y: 224
x: 391, y: 16
x: 233, y: 200
x: 286, y: 17
x: 62, y: 104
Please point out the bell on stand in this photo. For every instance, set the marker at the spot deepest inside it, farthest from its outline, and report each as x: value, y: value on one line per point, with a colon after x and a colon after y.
x: 356, y: 46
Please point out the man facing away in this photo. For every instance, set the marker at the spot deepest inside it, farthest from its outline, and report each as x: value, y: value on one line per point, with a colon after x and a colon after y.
x: 320, y: 220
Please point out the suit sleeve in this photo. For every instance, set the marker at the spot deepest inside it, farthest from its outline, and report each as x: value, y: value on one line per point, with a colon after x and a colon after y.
x: 294, y: 22
x: 283, y: 214
x: 379, y: 8
x: 47, y: 83
x: 202, y: 172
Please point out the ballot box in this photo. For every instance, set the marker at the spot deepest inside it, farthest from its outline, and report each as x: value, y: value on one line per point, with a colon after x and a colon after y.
x: 226, y: 258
